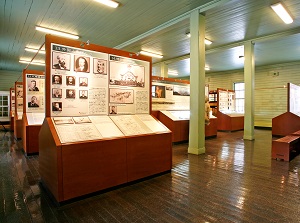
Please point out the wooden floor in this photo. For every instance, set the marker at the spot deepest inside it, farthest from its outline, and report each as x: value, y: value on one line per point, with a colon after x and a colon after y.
x: 235, y: 181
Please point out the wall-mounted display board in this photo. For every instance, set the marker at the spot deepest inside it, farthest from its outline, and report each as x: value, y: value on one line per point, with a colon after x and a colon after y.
x: 33, y: 109
x: 178, y: 123
x: 228, y: 118
x: 18, y: 123
x: 12, y: 107
x: 98, y: 131
x: 288, y: 122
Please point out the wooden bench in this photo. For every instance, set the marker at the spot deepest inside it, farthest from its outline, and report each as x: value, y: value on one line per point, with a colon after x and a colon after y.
x: 285, y: 148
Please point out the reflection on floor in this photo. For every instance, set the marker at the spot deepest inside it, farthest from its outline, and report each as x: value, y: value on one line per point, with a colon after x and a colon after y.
x: 235, y: 181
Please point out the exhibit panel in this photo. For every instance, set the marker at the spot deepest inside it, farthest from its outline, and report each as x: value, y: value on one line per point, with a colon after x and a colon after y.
x: 12, y: 107
x: 33, y: 109
x: 288, y: 122
x: 97, y: 102
x: 18, y: 123
x: 228, y: 118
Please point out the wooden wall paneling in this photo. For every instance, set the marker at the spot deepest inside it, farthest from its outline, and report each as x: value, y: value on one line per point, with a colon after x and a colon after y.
x: 148, y: 155
x: 92, y: 166
x: 285, y: 124
x: 50, y: 167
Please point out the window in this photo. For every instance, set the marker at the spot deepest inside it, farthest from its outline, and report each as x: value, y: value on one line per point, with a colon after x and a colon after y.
x: 4, y: 106
x: 239, y: 89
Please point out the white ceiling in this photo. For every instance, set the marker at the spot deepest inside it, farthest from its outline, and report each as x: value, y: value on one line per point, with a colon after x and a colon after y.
x: 156, y: 25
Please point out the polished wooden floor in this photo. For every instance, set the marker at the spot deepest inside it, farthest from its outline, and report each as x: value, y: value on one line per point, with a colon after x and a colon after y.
x: 235, y: 181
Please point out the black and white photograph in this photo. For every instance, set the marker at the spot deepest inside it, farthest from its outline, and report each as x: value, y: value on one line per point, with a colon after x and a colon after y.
x: 126, y: 74
x: 63, y: 120
x: 33, y: 102
x: 181, y: 91
x: 83, y: 81
x: 32, y: 85
x: 113, y: 110
x: 82, y: 64
x: 56, y: 93
x: 61, y: 61
x: 83, y: 94
x: 70, y: 80
x: 56, y: 106
x: 121, y: 96
x: 70, y: 93
x: 56, y: 79
x: 100, y: 66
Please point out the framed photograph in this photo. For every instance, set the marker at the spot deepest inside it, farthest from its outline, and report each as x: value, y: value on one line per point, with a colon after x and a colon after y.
x: 83, y: 94
x: 56, y: 93
x: 83, y: 81
x: 82, y: 64
x: 56, y: 79
x: 158, y: 91
x: 181, y: 90
x: 56, y: 106
x: 121, y: 96
x: 113, y: 110
x: 70, y: 93
x: 70, y: 80
x: 61, y: 61
x: 100, y: 66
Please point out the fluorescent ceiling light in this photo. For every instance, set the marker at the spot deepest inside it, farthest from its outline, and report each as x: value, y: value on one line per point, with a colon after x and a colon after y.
x: 57, y: 33
x: 109, y: 3
x: 282, y: 13
x: 206, y: 41
x: 34, y: 50
x: 173, y: 72
x: 207, y: 68
x: 40, y: 63
x: 151, y: 54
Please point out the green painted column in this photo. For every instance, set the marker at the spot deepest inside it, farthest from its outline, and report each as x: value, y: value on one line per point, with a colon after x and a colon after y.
x: 163, y: 69
x: 197, y: 84
x: 249, y: 77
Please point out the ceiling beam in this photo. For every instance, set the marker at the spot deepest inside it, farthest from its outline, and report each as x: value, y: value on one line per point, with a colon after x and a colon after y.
x: 171, y: 22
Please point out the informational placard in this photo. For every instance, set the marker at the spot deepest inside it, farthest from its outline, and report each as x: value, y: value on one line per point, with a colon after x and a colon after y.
x: 293, y: 97
x: 85, y: 82
x: 19, y: 100
x: 226, y: 102
x: 12, y: 102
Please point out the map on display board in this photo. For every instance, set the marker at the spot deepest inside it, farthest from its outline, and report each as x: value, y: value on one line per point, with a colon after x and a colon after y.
x: 85, y: 82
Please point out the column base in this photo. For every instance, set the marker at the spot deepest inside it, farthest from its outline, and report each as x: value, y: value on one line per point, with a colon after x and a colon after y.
x: 196, y: 151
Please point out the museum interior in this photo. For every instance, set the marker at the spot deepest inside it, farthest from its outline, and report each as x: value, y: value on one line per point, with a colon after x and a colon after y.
x: 150, y: 111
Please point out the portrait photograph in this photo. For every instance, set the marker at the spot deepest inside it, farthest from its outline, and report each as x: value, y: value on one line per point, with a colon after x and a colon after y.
x: 56, y: 106
x: 83, y: 94
x: 33, y: 102
x: 56, y: 93
x: 82, y: 64
x: 56, y: 79
x: 70, y: 80
x: 113, y: 110
x: 70, y: 93
x: 32, y: 85
x: 83, y: 81
x: 100, y: 66
x: 61, y: 61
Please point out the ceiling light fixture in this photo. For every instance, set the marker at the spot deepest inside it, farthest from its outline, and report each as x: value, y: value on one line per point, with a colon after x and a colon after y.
x: 57, y: 33
x: 206, y: 41
x: 34, y: 50
x: 207, y: 68
x: 40, y: 63
x: 109, y: 3
x: 151, y: 54
x: 282, y: 13
x: 173, y: 72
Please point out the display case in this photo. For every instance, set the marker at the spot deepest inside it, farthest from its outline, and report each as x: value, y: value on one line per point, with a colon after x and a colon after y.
x: 98, y: 131
x: 18, y: 115
x: 288, y: 122
x: 228, y: 118
x: 178, y: 123
x: 33, y: 109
